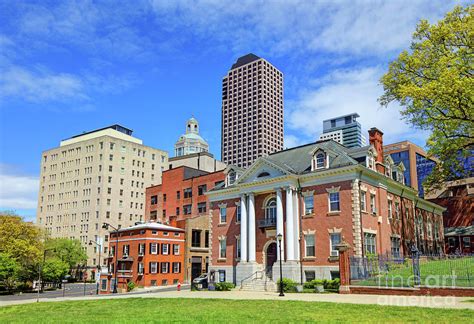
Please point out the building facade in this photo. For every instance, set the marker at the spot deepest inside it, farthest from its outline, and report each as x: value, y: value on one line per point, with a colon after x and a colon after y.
x: 181, y: 197
x: 416, y: 161
x: 190, y: 142
x: 252, y: 111
x: 147, y: 254
x: 203, y: 161
x: 315, y: 195
x: 345, y: 130
x: 458, y: 199
x: 96, y: 177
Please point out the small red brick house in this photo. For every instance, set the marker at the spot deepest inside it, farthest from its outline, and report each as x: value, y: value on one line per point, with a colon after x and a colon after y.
x: 148, y: 254
x: 314, y: 196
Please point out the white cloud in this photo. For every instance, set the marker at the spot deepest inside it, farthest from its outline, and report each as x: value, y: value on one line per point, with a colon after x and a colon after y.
x: 361, y: 28
x: 17, y: 191
x: 37, y: 86
x: 343, y: 92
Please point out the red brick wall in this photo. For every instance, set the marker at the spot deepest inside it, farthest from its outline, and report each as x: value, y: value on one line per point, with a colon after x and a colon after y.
x: 173, y: 181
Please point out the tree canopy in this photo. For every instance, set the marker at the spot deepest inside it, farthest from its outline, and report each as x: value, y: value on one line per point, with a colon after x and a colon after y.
x: 67, y: 250
x: 433, y: 83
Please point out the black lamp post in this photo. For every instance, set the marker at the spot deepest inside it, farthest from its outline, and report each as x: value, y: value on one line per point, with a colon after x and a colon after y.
x: 99, y: 266
x: 106, y: 226
x: 279, y: 238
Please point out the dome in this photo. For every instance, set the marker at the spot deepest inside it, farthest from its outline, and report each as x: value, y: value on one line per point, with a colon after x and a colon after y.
x: 191, y: 142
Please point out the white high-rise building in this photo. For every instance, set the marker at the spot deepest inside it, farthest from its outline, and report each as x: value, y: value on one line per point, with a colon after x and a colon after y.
x: 96, y: 177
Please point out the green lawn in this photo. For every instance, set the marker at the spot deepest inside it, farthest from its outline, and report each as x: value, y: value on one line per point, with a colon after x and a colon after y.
x: 220, y: 310
x: 432, y: 272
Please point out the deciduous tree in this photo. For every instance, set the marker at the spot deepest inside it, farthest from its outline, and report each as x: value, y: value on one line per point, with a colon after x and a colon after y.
x: 433, y: 82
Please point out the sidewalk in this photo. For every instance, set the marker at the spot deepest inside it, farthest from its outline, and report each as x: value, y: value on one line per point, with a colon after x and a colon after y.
x: 419, y: 301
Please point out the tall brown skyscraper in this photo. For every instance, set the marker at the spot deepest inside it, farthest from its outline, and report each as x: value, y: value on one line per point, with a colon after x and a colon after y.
x: 252, y: 111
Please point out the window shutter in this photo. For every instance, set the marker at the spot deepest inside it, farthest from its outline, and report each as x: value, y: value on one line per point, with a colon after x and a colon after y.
x: 149, y: 267
x: 157, y: 248
x: 158, y: 269
x: 179, y: 267
x: 150, y: 248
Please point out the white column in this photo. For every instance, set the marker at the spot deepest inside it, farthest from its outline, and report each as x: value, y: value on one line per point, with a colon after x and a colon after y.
x: 252, y: 231
x: 290, y: 232
x: 296, y: 217
x: 279, y: 227
x: 243, y: 229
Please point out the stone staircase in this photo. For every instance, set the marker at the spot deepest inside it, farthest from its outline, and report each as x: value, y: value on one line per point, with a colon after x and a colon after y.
x: 258, y: 282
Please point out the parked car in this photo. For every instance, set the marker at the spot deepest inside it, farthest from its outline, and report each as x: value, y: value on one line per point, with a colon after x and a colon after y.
x: 201, y: 282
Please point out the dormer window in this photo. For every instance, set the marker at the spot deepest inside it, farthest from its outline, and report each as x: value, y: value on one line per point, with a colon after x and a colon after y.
x: 320, y: 159
x: 231, y: 177
x: 370, y: 161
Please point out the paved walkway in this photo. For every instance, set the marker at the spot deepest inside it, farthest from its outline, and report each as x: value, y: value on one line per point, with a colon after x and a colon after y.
x: 420, y: 301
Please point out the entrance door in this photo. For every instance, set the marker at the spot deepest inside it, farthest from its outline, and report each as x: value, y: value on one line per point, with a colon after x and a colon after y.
x: 196, y: 270
x: 271, y: 259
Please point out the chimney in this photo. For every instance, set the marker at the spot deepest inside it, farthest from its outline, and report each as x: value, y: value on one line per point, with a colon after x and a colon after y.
x: 173, y: 221
x: 376, y: 139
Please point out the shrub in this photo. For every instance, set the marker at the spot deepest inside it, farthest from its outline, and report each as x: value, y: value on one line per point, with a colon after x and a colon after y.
x: 288, y: 285
x: 327, y: 284
x: 130, y: 286
x: 224, y: 286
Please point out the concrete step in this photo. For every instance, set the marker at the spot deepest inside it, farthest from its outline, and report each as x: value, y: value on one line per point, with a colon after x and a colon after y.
x: 259, y: 285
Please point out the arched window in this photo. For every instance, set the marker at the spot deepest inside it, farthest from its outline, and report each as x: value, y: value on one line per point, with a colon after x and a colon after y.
x: 320, y: 160
x: 270, y: 209
x: 232, y: 176
x: 263, y: 174
x: 370, y: 161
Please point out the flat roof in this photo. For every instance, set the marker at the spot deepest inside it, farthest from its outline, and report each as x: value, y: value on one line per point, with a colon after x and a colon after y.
x: 153, y: 226
x: 116, y: 127
x: 343, y: 116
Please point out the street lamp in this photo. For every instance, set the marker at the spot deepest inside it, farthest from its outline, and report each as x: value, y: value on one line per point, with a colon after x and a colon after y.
x: 99, y: 266
x: 106, y: 226
x: 280, y: 238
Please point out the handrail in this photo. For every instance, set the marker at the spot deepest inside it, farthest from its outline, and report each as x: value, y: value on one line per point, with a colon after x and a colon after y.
x: 249, y: 277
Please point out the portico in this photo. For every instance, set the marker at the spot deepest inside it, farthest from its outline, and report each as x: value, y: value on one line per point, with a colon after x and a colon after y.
x: 280, y: 216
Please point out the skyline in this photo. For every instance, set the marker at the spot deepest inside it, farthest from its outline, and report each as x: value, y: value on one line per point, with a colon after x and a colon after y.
x: 150, y: 66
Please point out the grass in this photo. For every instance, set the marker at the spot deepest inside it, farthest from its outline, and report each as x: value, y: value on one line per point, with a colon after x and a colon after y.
x: 432, y: 272
x: 220, y: 310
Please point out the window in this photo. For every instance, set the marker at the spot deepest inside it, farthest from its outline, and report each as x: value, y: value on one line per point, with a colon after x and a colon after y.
x: 397, y: 210
x: 231, y: 177
x: 320, y: 160
x: 222, y: 248
x: 222, y: 215
x: 202, y: 190
x: 270, y: 210
x: 206, y: 239
x: 154, y: 200
x: 141, y: 249
x: 237, y: 247
x: 153, y: 248
x: 164, y: 248
x: 373, y: 207
x: 153, y: 267
x: 178, y: 195
x: 390, y: 203
x: 238, y: 214
x: 165, y: 266
x: 196, y: 238
x: 334, y: 201
x: 466, y: 242
x: 308, y: 204
x: 335, y: 240
x: 187, y: 209
x: 451, y: 242
x: 164, y: 197
x: 126, y: 249
x: 363, y: 199
x: 369, y: 242
x: 202, y: 207
x: 309, y: 245
x: 263, y: 174
x: 177, y: 211
x: 141, y: 268
x: 176, y: 267
x: 395, y: 246
x: 175, y: 249
x: 310, y: 275
x: 188, y: 193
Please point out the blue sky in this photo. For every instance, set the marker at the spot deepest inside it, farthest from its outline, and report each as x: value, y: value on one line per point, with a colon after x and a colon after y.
x: 73, y: 66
